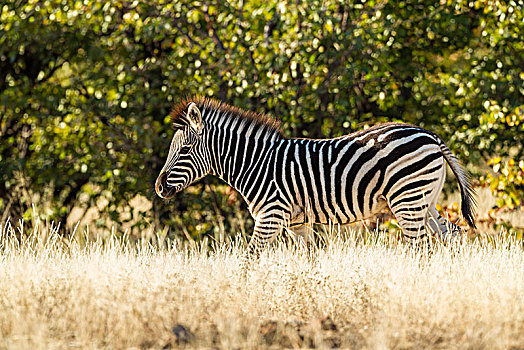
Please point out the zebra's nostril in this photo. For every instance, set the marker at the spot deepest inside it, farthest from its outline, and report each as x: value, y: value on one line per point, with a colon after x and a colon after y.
x: 160, y: 184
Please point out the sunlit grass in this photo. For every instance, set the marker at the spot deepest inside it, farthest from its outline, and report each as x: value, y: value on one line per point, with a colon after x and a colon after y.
x: 71, y: 292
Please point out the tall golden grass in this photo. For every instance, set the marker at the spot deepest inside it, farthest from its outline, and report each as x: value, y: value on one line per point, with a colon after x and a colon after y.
x: 61, y: 292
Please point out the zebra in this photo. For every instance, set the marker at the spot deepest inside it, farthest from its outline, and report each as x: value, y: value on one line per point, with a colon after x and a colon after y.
x: 292, y: 183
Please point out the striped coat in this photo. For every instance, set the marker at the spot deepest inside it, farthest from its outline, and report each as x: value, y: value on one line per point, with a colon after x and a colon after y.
x: 292, y: 183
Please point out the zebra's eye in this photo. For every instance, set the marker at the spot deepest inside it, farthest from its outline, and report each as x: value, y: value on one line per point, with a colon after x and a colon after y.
x: 185, y: 149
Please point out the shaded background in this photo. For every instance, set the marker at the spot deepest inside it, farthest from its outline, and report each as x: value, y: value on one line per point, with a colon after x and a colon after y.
x: 86, y: 88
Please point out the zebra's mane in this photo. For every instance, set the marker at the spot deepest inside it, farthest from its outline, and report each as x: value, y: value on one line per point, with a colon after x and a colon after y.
x: 205, y: 104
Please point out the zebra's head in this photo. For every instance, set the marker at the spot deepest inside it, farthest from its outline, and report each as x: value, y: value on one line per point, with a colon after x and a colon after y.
x: 188, y: 158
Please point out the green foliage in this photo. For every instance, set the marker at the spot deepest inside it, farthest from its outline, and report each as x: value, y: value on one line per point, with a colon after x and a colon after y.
x: 85, y: 86
x: 507, y: 182
x: 506, y: 130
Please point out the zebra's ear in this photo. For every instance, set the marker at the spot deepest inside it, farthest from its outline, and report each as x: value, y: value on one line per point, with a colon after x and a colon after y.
x: 195, y: 118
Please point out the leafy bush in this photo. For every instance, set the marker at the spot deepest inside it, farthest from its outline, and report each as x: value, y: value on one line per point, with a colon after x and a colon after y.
x: 86, y: 87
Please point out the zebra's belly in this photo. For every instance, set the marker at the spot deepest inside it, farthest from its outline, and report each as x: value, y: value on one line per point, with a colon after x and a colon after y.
x: 335, y: 213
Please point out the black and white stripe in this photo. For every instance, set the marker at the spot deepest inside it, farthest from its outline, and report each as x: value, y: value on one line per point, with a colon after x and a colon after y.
x: 293, y: 183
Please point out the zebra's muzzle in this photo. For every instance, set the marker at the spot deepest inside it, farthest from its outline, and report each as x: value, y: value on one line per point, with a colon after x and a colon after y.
x: 162, y: 189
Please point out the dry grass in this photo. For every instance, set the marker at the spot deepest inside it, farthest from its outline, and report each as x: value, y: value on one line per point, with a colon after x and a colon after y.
x: 58, y: 293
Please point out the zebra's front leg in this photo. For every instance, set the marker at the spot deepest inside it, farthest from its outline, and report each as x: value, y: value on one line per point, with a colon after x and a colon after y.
x: 303, y: 234
x: 264, y: 233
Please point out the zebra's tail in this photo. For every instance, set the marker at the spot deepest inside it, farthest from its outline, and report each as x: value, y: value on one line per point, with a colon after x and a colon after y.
x: 467, y: 192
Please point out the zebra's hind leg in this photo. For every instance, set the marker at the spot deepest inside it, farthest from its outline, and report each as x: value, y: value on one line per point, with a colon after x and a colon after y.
x: 444, y: 229
x: 412, y: 220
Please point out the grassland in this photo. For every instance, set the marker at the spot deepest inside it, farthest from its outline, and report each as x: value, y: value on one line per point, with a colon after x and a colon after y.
x: 60, y: 292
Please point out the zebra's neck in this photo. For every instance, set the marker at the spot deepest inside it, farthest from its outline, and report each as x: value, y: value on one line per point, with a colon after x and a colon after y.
x: 241, y: 150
